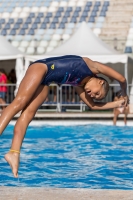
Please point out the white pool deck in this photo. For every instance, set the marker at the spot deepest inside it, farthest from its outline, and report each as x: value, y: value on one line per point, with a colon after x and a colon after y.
x: 80, y: 115
x: 27, y: 193
x: 77, y: 118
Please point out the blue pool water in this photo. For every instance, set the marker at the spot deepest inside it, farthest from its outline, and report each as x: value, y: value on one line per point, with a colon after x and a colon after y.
x: 91, y: 156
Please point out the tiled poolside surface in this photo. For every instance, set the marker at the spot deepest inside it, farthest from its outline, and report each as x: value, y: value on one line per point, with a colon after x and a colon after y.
x: 14, y: 193
x: 77, y: 115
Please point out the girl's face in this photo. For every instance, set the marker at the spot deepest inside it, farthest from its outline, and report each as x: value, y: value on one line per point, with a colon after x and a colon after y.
x: 94, y: 88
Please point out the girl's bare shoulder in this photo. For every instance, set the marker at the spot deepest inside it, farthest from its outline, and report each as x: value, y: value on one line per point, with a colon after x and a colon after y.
x: 90, y: 63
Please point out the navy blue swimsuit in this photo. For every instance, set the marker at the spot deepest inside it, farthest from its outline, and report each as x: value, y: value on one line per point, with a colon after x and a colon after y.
x: 65, y: 70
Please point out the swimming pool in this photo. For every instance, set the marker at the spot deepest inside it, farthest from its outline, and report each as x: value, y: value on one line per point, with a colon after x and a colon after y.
x: 88, y: 156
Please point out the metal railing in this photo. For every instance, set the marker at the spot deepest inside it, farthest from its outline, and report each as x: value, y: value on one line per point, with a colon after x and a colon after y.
x: 7, y: 93
x: 60, y: 98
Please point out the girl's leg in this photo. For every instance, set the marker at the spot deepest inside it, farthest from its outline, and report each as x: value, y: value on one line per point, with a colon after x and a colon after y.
x: 27, y: 88
x: 116, y: 113
x: 125, y: 119
x: 20, y: 128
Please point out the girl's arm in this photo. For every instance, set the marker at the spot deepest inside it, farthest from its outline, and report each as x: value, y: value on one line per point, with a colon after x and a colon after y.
x: 97, y: 105
x: 99, y: 68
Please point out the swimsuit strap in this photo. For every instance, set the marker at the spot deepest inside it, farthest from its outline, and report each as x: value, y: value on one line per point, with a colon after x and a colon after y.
x: 15, y: 151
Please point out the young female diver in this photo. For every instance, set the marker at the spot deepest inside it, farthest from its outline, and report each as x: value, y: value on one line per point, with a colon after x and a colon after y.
x: 33, y: 90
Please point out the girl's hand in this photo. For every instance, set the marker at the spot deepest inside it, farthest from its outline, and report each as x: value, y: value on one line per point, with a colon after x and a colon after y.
x: 126, y: 98
x: 120, y: 103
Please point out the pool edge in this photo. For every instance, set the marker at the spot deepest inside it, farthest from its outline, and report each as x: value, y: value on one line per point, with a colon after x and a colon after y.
x: 38, y: 193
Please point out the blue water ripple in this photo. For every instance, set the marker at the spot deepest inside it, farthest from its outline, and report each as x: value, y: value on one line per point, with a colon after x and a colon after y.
x: 90, y: 156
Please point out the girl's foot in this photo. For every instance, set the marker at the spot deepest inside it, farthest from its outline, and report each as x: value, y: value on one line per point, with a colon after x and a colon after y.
x: 13, y: 159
